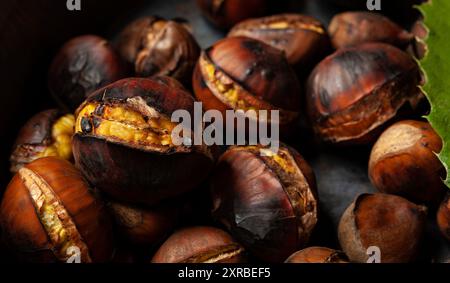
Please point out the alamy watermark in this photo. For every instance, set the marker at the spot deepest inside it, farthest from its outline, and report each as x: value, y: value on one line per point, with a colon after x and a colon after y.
x: 374, y: 5
x: 238, y: 127
x: 73, y: 5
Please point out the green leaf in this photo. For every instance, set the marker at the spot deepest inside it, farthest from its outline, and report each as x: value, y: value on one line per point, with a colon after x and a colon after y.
x: 436, y: 66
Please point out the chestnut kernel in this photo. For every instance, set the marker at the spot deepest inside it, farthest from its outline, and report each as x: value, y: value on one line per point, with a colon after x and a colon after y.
x: 129, y: 153
x: 317, y: 255
x: 47, y: 133
x: 239, y: 73
x: 48, y: 213
x: 200, y: 245
x: 443, y: 217
x: 391, y: 223
x: 354, y: 28
x: 267, y: 200
x: 159, y: 47
x: 144, y: 226
x: 83, y: 65
x: 403, y: 162
x: 354, y: 92
x: 303, y: 39
x: 226, y: 13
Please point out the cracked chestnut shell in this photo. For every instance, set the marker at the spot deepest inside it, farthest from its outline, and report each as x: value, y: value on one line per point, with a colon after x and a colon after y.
x: 200, y: 244
x: 123, y: 141
x: 83, y: 64
x: 354, y: 92
x: 239, y: 73
x: 48, y: 212
x: 354, y: 28
x: 48, y: 133
x: 443, y: 217
x: 159, y: 47
x: 303, y: 39
x: 226, y: 13
x: 268, y: 201
x: 143, y: 226
x: 403, y: 162
x: 391, y: 223
x: 317, y: 255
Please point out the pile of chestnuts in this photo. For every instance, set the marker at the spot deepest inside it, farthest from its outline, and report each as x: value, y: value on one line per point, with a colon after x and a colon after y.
x: 103, y: 177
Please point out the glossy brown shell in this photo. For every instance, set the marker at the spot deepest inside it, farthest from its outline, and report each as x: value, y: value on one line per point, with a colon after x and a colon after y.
x: 404, y: 162
x: 171, y: 51
x: 83, y: 65
x: 355, y: 91
x: 391, y: 223
x: 353, y: 28
x: 199, y: 244
x: 443, y: 217
x: 23, y: 229
x: 317, y: 255
x: 270, y: 218
x: 226, y: 13
x: 33, y: 136
x: 304, y: 41
x: 133, y: 174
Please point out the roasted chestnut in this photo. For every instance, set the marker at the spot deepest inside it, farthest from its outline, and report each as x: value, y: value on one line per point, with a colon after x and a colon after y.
x: 144, y: 226
x: 317, y: 255
x: 123, y: 141
x: 303, y: 39
x: 200, y: 244
x: 226, y: 13
x: 155, y: 46
x: 353, y: 28
x: 266, y: 199
x: 404, y: 162
x: 239, y: 73
x: 443, y: 217
x: 49, y: 214
x: 389, y: 223
x: 47, y: 133
x: 354, y: 92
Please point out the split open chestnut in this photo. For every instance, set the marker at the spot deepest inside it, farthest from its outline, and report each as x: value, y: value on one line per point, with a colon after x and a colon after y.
x: 404, y: 162
x: 226, y: 13
x: 158, y: 47
x: 303, y: 39
x: 200, y: 244
x: 123, y: 141
x: 356, y: 91
x: 443, y: 217
x: 239, y: 73
x: 353, y: 28
x: 267, y: 200
x: 390, y: 223
x: 47, y: 133
x: 49, y: 214
x: 317, y: 255
x: 83, y: 65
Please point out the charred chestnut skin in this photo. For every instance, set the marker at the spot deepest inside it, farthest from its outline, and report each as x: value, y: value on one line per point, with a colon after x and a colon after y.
x: 260, y: 72
x: 200, y: 244
x: 391, y: 223
x: 129, y: 172
x: 443, y: 217
x: 354, y: 28
x: 24, y: 230
x: 317, y: 255
x: 81, y: 66
x: 35, y: 137
x: 404, y: 162
x: 158, y: 47
x: 269, y: 211
x: 353, y: 93
x: 143, y: 226
x: 226, y: 13
x: 303, y: 39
